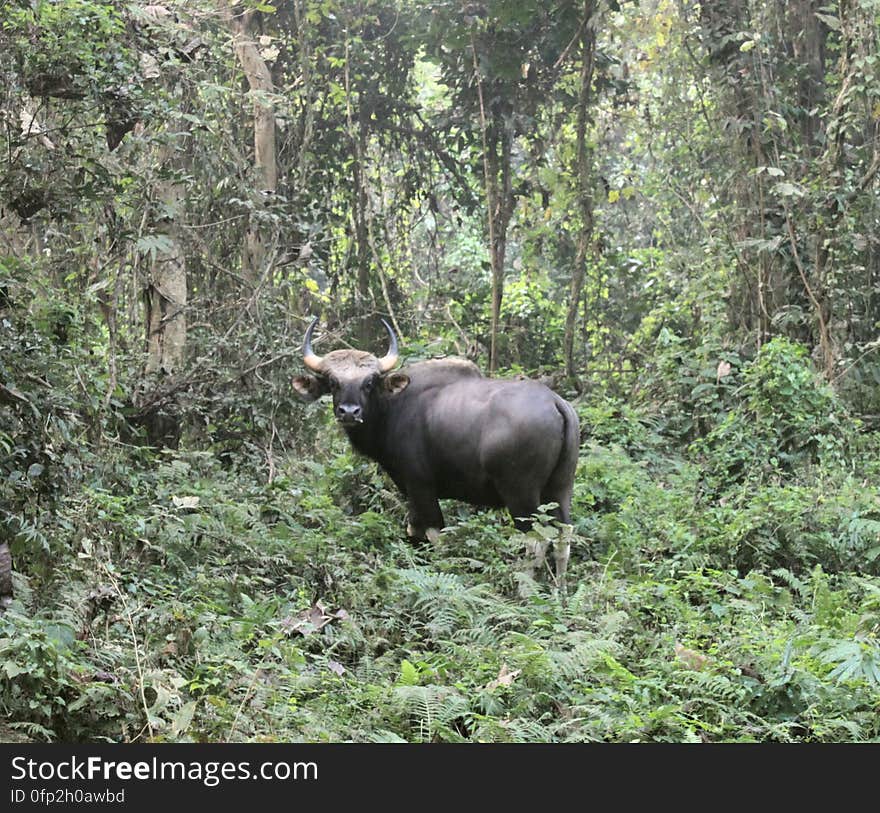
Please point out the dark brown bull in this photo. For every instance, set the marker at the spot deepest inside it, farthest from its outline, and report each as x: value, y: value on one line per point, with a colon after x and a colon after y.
x: 442, y: 430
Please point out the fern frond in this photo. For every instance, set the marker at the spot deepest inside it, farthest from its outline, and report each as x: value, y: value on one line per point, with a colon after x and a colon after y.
x: 431, y: 709
x: 715, y: 687
x: 801, y: 588
x: 583, y: 657
x: 33, y: 730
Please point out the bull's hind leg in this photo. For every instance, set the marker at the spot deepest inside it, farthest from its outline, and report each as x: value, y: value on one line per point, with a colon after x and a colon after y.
x: 522, y: 504
x: 562, y: 553
x: 562, y: 543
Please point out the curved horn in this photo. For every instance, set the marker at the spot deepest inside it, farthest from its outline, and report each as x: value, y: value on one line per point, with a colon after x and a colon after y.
x: 388, y: 361
x: 312, y: 361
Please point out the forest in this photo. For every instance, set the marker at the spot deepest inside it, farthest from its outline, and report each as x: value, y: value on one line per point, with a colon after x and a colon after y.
x: 666, y: 211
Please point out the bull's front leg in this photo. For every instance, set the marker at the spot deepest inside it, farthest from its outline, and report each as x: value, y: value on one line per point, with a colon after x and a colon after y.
x: 425, y: 517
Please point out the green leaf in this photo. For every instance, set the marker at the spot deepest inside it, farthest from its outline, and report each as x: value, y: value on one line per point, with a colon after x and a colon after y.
x: 180, y: 722
x: 154, y: 244
x: 832, y: 22
x: 409, y: 675
x: 12, y: 669
x: 790, y: 190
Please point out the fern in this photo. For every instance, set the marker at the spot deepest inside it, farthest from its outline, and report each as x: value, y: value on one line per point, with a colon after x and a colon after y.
x: 855, y: 660
x: 383, y: 735
x: 706, y: 686
x: 441, y: 602
x: 578, y: 602
x: 432, y: 710
x: 34, y: 730
x: 518, y: 729
x: 792, y: 581
x: 579, y: 662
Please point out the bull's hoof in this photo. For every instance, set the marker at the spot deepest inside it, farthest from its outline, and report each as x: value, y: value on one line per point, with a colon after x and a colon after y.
x: 431, y: 534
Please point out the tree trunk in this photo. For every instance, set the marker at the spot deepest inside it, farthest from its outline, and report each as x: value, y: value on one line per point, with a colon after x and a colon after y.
x: 165, y: 301
x: 265, y: 173
x: 500, y: 200
x: 808, y: 36
x: 6, y: 593
x: 584, y: 188
x: 361, y: 202
x: 498, y: 181
x: 166, y: 310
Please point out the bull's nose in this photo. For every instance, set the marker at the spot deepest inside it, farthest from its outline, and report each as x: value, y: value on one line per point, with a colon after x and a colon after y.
x: 349, y: 413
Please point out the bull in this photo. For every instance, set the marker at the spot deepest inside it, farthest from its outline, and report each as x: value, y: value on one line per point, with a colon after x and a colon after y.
x: 440, y: 429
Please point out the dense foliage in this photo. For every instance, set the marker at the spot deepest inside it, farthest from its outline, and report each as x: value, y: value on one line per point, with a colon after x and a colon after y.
x: 666, y: 210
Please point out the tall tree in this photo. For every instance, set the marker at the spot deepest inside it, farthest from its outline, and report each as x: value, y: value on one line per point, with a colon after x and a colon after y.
x: 496, y: 134
x: 165, y: 295
x: 803, y: 125
x: 583, y: 182
x: 265, y: 167
x: 500, y: 60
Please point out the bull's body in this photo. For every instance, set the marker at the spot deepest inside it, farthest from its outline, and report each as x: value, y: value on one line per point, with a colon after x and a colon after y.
x: 442, y: 430
x: 454, y: 434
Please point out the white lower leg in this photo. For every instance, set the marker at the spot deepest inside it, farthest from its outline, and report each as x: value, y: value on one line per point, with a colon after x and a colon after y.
x: 536, y: 552
x: 562, y: 553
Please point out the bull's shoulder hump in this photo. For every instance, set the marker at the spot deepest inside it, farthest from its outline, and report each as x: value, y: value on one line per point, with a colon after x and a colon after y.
x: 438, y: 371
x: 463, y: 366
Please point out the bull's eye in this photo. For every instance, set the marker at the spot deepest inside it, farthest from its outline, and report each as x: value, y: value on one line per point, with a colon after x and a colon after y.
x: 368, y: 384
x: 334, y: 384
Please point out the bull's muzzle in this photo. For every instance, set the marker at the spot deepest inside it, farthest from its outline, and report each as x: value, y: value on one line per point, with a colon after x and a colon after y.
x: 349, y: 414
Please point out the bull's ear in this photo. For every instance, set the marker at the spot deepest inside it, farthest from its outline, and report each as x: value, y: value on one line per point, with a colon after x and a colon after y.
x: 395, y: 383
x: 310, y: 388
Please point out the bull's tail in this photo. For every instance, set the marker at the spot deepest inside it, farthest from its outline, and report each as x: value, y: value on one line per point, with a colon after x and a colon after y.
x: 560, y: 487
x: 561, y: 481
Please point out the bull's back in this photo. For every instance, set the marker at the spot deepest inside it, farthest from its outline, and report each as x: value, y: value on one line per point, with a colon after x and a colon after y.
x: 482, y: 431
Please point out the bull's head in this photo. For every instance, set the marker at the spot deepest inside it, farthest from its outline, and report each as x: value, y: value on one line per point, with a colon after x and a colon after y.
x: 353, y: 377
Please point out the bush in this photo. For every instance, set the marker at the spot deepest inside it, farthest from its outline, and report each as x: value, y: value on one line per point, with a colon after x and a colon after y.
x: 787, y: 417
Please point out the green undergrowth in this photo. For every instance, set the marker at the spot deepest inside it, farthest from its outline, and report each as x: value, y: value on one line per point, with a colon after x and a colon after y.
x: 183, y: 601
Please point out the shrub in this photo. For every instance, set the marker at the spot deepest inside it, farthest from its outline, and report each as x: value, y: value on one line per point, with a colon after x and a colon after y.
x: 787, y: 417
